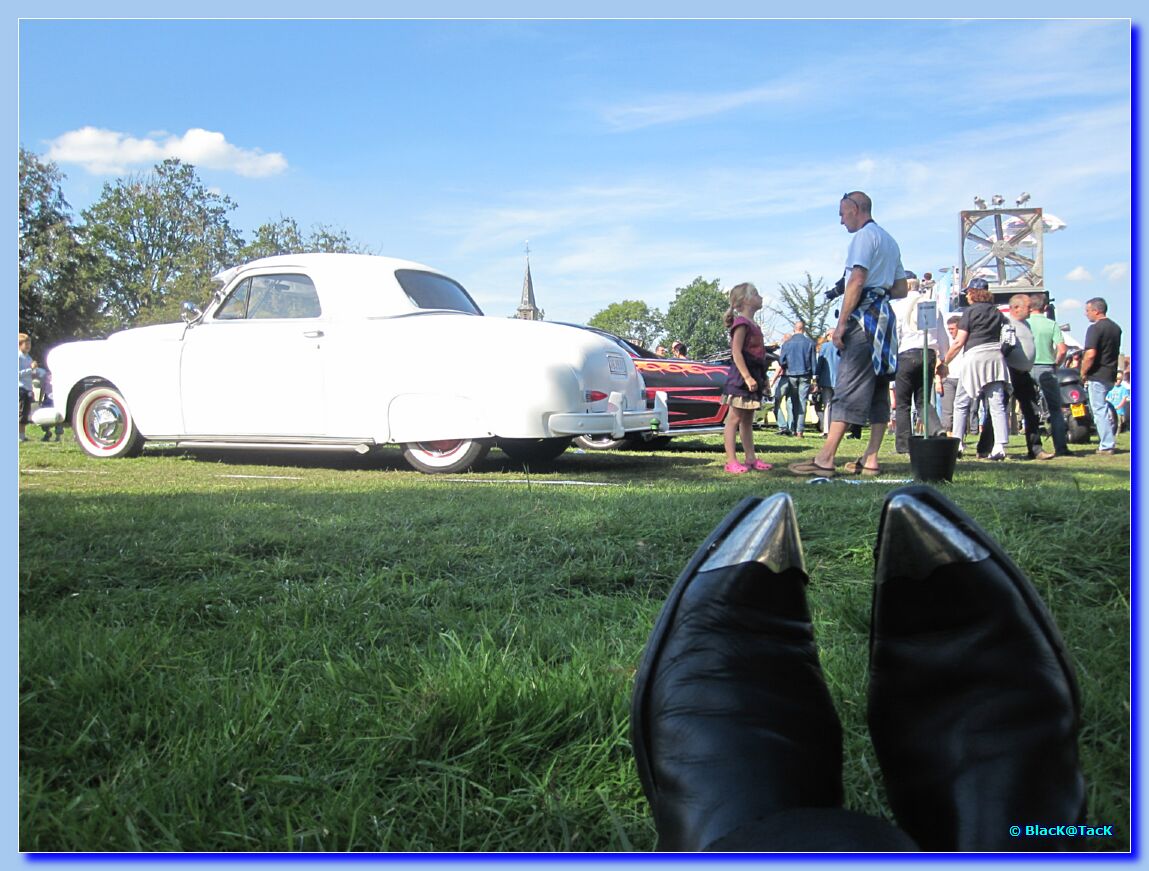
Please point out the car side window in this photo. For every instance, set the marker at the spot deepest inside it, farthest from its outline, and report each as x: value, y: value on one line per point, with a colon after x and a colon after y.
x: 235, y: 306
x: 272, y: 296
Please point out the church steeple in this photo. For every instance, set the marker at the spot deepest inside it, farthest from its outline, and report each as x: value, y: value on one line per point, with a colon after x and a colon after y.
x: 527, y: 310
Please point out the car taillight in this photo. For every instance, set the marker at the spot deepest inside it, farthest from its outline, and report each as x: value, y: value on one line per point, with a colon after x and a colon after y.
x: 650, y: 391
x: 595, y: 396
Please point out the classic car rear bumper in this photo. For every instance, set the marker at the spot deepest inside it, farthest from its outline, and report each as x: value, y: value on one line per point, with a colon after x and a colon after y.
x: 616, y: 420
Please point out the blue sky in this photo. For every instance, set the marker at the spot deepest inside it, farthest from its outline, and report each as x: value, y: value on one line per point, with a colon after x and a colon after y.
x: 632, y: 155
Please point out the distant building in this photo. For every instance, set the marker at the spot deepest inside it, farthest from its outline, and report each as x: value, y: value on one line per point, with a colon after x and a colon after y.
x: 527, y: 310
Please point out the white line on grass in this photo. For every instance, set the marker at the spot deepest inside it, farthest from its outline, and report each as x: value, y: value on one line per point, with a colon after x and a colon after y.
x: 61, y: 472
x: 860, y: 481
x: 266, y: 477
x: 531, y: 483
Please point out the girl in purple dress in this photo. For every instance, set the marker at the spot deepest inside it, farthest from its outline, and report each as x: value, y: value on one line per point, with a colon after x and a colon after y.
x: 747, y: 377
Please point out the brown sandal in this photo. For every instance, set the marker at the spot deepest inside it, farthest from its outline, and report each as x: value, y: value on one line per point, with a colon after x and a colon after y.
x: 809, y: 467
x: 856, y: 468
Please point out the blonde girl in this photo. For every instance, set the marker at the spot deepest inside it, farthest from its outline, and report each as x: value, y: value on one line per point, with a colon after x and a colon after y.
x: 746, y: 379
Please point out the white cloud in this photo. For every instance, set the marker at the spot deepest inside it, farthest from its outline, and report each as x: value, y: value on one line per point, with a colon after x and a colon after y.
x: 1115, y: 271
x: 1056, y: 68
x: 673, y: 108
x: 1080, y: 273
x: 108, y: 152
x: 1070, y: 305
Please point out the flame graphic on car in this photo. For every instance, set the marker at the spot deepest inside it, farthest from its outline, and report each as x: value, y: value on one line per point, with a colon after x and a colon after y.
x: 675, y: 367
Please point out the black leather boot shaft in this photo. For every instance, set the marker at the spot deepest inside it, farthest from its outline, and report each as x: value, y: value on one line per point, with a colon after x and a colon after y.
x: 973, y: 706
x: 731, y: 719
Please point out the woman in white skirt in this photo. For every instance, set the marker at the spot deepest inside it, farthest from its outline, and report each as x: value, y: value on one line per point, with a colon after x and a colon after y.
x: 984, y: 375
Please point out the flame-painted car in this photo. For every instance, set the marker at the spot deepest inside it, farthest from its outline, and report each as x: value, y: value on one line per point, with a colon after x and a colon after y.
x: 693, y: 391
x: 349, y: 352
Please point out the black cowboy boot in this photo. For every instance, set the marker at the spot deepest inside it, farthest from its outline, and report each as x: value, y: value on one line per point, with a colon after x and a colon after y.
x: 731, y: 721
x: 973, y: 706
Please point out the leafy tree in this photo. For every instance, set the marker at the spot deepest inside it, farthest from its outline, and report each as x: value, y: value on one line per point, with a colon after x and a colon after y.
x: 56, y: 297
x: 631, y: 319
x: 284, y: 237
x: 804, y: 302
x: 328, y: 240
x: 159, y: 238
x: 695, y: 317
x: 276, y: 237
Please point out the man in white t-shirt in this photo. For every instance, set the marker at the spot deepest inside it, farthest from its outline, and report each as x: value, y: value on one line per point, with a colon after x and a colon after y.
x: 866, y: 336
x: 908, y: 383
x: 950, y: 384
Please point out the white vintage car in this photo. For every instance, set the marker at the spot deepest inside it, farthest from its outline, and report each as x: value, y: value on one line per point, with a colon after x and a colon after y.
x: 349, y: 352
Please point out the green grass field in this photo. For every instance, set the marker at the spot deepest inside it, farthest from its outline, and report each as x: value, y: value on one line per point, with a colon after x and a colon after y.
x: 228, y: 652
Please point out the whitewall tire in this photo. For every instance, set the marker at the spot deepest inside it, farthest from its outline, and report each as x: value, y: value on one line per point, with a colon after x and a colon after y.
x: 445, y: 455
x: 103, y: 424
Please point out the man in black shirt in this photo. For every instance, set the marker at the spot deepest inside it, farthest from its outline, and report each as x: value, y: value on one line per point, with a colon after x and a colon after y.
x: 1099, y: 367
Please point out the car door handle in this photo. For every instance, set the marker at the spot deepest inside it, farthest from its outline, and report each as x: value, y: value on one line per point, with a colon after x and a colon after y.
x: 313, y: 334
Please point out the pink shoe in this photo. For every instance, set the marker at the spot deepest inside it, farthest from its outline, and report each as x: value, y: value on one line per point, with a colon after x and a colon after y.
x: 736, y: 468
x: 760, y: 466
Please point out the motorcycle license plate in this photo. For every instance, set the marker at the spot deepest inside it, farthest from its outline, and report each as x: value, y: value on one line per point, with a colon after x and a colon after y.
x: 1077, y: 409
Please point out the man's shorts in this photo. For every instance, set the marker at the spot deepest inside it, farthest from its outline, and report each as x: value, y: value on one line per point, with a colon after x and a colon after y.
x: 860, y: 396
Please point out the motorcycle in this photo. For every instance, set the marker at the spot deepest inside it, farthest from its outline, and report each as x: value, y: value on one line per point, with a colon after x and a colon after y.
x: 1079, y: 423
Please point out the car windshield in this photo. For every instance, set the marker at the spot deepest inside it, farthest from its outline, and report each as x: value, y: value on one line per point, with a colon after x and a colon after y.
x: 429, y: 290
x: 627, y: 345
x: 636, y: 350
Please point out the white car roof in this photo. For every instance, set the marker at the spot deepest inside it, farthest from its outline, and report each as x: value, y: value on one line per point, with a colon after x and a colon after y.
x: 352, y: 284
x: 324, y: 262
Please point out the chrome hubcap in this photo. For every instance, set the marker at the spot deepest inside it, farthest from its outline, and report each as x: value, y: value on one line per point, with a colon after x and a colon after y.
x: 105, y: 423
x: 441, y: 448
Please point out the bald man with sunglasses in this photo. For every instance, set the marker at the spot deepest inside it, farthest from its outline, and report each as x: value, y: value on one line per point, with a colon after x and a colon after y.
x: 867, y: 337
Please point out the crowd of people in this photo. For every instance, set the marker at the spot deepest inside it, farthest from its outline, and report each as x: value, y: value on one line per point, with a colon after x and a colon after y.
x: 954, y: 376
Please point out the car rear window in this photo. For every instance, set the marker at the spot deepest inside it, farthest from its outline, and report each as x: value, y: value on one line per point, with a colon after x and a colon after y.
x: 432, y: 291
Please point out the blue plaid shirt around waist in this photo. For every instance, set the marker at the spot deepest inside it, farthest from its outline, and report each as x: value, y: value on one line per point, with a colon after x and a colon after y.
x: 873, y: 312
